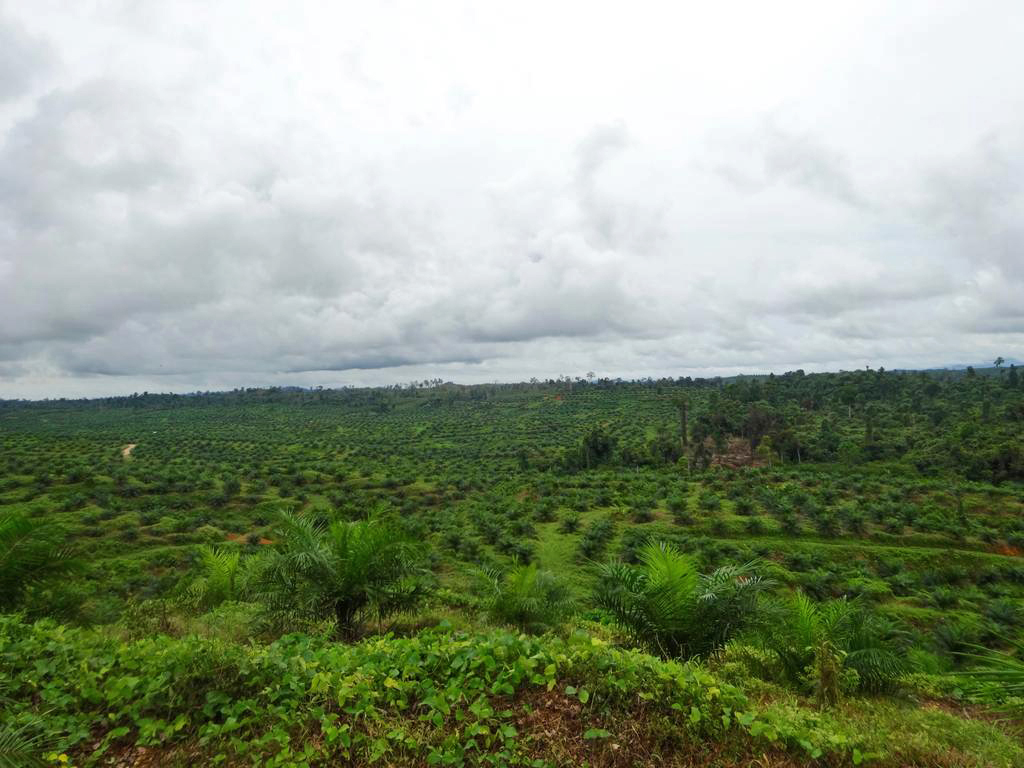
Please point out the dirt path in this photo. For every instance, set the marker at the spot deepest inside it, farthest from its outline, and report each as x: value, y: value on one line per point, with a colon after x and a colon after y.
x: 126, y: 451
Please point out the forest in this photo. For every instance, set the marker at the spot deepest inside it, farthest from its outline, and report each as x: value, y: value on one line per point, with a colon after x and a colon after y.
x: 782, y: 570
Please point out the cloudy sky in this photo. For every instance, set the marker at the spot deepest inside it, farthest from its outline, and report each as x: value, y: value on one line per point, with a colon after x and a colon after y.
x: 199, y: 195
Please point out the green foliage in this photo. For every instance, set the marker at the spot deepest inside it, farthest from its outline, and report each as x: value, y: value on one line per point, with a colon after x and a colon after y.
x: 570, y: 523
x: 595, y: 538
x: 436, y: 698
x: 221, y: 578
x: 667, y: 606
x: 1003, y: 668
x: 348, y: 571
x: 900, y: 492
x: 832, y: 648
x: 527, y: 598
x: 25, y: 744
x: 597, y: 447
x: 876, y: 650
x: 31, y: 551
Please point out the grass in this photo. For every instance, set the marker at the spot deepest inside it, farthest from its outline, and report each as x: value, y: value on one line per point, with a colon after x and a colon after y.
x: 446, y: 464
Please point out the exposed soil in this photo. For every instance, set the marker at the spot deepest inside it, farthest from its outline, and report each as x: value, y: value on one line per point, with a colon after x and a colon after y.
x: 555, y: 725
x: 736, y: 455
x: 240, y: 536
x: 126, y: 450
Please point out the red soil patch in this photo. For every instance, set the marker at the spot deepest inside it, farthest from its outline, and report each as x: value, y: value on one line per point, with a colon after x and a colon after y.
x: 240, y: 536
x: 737, y: 455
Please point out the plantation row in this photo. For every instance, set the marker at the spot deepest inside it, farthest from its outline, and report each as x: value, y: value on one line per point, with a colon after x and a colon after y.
x: 845, y: 548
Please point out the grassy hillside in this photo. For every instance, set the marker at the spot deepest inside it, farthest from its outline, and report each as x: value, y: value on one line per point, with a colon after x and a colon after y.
x: 442, y: 697
x: 894, y: 502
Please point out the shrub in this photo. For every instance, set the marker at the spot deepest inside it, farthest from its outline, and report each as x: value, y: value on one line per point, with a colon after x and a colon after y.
x: 570, y: 523
x: 642, y: 514
x: 709, y: 502
x: 596, y: 538
x: 31, y: 551
x: 667, y: 606
x: 527, y: 598
x: 832, y: 647
x: 342, y: 570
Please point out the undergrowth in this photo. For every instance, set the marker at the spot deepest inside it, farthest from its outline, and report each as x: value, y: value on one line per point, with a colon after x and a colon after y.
x: 439, y: 697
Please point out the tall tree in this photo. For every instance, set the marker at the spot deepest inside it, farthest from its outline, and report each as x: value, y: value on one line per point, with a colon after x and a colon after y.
x: 682, y: 404
x: 758, y: 423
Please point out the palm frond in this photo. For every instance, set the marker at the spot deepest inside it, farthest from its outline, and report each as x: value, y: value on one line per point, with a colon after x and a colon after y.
x: 24, y: 745
x: 665, y: 604
x: 30, y: 552
x: 813, y: 641
x: 220, y: 571
x: 1006, y: 668
x: 526, y: 597
x: 875, y: 648
x: 339, y: 569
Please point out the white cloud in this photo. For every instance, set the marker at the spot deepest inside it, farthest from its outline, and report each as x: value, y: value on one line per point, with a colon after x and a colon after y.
x: 196, y: 195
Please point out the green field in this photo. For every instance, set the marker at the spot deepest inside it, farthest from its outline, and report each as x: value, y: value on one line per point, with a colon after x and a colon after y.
x: 894, y: 502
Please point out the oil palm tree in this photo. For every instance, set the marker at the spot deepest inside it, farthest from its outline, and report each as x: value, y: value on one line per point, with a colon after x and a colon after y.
x: 808, y: 638
x: 30, y: 552
x: 526, y: 597
x: 221, y: 578
x: 666, y: 605
x: 1005, y: 668
x: 348, y: 571
x: 24, y: 745
x: 820, y: 645
x: 876, y: 649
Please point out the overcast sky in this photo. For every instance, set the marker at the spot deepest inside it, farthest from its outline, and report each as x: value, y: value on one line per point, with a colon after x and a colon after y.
x: 202, y: 195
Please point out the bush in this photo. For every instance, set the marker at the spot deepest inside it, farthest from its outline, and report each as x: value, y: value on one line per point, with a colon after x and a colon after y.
x: 223, y: 702
x: 527, y: 598
x: 595, y: 539
x: 642, y: 514
x: 832, y: 647
x: 343, y: 570
x: 31, y: 552
x: 668, y: 607
x: 570, y: 523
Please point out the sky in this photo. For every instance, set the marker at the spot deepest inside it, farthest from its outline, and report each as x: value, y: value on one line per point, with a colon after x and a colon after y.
x: 200, y: 195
